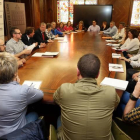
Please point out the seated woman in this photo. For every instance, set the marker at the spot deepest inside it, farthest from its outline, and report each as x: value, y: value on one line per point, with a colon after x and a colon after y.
x: 80, y: 26
x: 104, y: 26
x: 61, y: 27
x: 131, y: 45
x: 68, y: 27
x: 14, y: 98
x: 49, y: 32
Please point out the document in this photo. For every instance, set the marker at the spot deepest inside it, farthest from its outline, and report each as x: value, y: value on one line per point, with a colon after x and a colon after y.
x: 116, y: 83
x: 51, y: 53
x: 110, y: 40
x: 35, y: 84
x: 116, y: 67
x: 109, y: 44
x: 113, y: 45
x: 37, y: 55
x: 115, y: 55
x: 117, y: 49
x: 46, y: 54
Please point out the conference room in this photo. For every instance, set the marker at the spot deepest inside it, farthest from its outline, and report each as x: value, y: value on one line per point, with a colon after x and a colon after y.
x: 69, y: 69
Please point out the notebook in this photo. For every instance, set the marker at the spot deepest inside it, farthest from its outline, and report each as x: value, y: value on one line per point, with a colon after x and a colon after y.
x: 116, y: 83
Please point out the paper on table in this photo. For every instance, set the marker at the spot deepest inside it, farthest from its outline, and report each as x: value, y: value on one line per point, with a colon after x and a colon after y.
x: 115, y: 55
x: 110, y: 40
x: 116, y: 83
x: 35, y: 84
x: 116, y: 67
x: 51, y: 53
x: 115, y: 45
x: 116, y: 49
x: 109, y: 44
x: 37, y: 55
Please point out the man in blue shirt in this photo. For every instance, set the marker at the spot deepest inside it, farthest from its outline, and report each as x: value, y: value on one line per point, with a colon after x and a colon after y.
x: 111, y: 31
x: 55, y: 31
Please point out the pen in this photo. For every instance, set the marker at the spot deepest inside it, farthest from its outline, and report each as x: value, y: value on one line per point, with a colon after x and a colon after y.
x: 31, y: 84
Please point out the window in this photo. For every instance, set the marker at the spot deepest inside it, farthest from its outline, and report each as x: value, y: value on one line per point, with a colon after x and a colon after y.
x: 65, y: 8
x: 135, y: 18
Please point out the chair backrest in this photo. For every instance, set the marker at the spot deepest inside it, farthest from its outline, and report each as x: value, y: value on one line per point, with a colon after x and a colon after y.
x: 132, y: 130
x: 53, y: 135
x: 118, y: 133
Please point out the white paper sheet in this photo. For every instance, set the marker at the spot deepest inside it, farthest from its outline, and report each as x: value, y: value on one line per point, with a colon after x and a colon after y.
x: 110, y: 40
x: 116, y: 83
x: 116, y: 67
x: 35, y: 84
x: 115, y: 55
x: 114, y: 48
x: 37, y: 55
x: 51, y: 53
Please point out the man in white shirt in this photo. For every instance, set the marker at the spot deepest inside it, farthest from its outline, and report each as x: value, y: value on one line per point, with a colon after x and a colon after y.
x: 94, y: 27
x: 120, y: 32
x: 111, y: 31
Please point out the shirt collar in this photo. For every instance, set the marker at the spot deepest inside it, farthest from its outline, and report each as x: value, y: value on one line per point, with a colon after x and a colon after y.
x: 14, y: 41
x: 87, y: 80
x: 28, y: 37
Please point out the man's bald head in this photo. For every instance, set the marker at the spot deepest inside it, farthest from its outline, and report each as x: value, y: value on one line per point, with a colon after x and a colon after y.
x: 2, y: 46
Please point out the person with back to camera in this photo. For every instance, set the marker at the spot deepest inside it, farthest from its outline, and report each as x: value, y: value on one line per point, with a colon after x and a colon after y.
x: 14, y: 98
x: 86, y: 108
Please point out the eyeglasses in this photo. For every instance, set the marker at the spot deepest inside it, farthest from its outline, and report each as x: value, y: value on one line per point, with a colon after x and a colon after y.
x: 2, y: 45
x: 17, y: 33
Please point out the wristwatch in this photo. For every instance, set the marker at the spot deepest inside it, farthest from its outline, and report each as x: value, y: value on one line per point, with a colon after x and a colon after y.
x: 133, y: 98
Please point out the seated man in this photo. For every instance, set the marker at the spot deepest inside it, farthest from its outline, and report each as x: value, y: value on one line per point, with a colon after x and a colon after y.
x: 111, y: 31
x: 40, y: 35
x: 94, y: 27
x: 15, y: 46
x: 55, y: 31
x: 14, y: 98
x: 2, y: 49
x: 86, y: 108
x: 120, y: 32
x: 27, y: 38
x: 132, y: 114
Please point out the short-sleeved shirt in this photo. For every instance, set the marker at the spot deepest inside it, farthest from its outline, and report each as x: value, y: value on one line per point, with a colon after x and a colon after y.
x: 14, y: 47
x: 86, y: 110
x: 14, y: 99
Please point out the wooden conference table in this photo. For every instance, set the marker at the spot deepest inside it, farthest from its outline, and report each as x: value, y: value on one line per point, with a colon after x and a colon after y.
x: 63, y: 68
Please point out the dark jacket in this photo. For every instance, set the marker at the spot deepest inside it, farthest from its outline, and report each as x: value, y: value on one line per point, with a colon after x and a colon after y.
x: 38, y: 37
x: 28, y: 42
